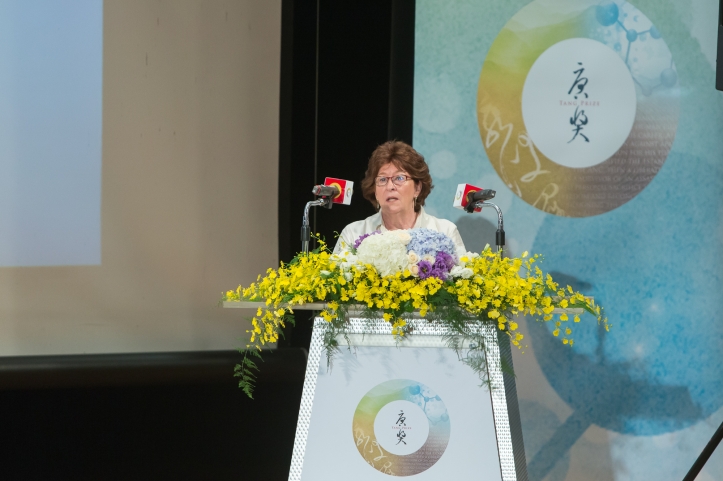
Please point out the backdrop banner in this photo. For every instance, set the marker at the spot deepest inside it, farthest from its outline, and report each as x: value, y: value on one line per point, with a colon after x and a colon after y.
x: 599, y: 126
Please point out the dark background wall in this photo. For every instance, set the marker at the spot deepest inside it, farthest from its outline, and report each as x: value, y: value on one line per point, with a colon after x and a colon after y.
x: 357, y: 60
x: 346, y: 86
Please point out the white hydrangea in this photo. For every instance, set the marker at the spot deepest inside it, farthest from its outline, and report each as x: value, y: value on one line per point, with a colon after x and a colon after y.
x: 386, y: 252
x: 403, y: 236
x: 467, y: 258
x: 461, y: 271
x: 344, y: 260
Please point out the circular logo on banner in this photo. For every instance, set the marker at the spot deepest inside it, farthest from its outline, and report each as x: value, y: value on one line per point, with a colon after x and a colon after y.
x: 578, y: 105
x: 401, y: 427
x: 612, y: 107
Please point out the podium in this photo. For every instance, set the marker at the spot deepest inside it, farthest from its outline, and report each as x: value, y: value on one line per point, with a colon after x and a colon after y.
x: 409, y: 407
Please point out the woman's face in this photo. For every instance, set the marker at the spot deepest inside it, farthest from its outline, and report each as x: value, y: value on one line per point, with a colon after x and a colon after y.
x: 393, y: 198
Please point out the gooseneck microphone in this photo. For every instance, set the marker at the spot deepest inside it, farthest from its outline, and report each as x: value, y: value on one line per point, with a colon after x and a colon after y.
x: 478, y: 196
x: 333, y: 191
x: 472, y: 199
x: 326, y: 191
x: 305, y: 228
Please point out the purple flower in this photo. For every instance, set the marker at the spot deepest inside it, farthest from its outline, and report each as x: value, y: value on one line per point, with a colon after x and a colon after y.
x: 358, y: 242
x: 438, y: 272
x: 425, y: 269
x: 438, y: 269
x: 444, y: 261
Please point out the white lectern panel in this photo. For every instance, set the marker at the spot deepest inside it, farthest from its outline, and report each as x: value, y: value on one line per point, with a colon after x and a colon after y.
x: 410, y: 410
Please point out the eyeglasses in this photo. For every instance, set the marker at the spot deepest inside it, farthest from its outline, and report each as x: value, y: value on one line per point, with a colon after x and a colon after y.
x: 397, y: 180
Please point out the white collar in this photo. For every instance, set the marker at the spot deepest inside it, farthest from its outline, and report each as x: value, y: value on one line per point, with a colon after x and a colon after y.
x: 417, y: 223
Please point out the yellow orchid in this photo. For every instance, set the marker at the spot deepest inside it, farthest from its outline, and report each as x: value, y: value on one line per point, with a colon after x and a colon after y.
x: 498, y: 290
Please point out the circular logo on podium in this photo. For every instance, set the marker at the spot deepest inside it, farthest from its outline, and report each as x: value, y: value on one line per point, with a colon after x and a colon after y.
x: 401, y: 427
x: 578, y: 105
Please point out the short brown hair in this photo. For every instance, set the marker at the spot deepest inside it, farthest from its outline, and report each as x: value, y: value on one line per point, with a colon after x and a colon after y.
x: 404, y: 157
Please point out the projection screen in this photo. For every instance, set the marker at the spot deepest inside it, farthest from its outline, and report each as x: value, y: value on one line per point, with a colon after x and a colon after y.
x: 138, y: 171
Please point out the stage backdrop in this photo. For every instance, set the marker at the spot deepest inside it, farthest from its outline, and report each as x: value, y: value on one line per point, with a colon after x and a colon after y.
x: 599, y: 127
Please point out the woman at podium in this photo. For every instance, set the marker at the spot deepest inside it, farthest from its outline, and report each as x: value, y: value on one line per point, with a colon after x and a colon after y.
x: 397, y: 182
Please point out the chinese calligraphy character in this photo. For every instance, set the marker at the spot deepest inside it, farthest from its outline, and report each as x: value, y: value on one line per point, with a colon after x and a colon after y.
x: 400, y: 436
x: 580, y: 82
x: 578, y: 121
x: 400, y: 421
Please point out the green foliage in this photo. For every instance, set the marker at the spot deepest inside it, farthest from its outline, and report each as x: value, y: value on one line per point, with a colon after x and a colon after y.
x: 246, y: 371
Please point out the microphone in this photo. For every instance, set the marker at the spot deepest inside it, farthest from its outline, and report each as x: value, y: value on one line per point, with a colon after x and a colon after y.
x: 325, y: 191
x: 332, y: 191
x: 473, y: 197
x: 480, y: 195
x: 464, y: 197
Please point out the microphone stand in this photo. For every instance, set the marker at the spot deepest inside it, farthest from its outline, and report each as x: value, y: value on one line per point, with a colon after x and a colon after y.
x: 305, y: 229
x: 707, y: 452
x: 500, y: 235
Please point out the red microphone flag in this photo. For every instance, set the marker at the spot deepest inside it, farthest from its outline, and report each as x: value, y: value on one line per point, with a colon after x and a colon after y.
x: 346, y: 189
x: 460, y: 198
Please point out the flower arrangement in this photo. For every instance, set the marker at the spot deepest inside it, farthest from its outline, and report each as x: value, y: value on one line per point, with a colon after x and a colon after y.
x: 392, y: 274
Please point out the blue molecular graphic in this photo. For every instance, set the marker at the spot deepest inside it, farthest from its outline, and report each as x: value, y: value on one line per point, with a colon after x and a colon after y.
x: 608, y: 14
